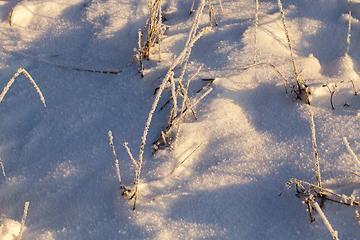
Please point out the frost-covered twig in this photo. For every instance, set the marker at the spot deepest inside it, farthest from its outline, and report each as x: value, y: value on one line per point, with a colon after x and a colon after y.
x: 353, y: 156
x: 317, y: 166
x: 2, y: 167
x: 116, y: 160
x: 333, y: 233
x: 129, y: 152
x: 256, y: 24
x: 313, y: 188
x: 12, y: 80
x: 23, y: 219
x: 348, y: 34
x: 299, y: 81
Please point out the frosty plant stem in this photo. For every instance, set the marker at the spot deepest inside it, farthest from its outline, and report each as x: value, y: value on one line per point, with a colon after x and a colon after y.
x: 333, y: 233
x: 256, y: 24
x: 12, y: 80
x: 23, y: 219
x: 353, y: 156
x: 116, y: 160
x: 317, y: 166
x: 2, y: 167
x: 348, y: 34
x: 299, y: 81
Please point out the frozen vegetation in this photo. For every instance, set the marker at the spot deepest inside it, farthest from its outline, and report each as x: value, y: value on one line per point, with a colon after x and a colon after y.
x: 216, y: 176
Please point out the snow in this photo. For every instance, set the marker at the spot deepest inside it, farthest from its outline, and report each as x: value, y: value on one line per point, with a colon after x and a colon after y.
x: 249, y: 140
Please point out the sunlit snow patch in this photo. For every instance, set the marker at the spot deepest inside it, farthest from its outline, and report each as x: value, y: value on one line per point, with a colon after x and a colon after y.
x: 9, y: 229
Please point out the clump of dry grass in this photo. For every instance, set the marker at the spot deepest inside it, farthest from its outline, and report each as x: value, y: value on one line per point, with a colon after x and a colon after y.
x: 155, y: 30
x: 183, y: 57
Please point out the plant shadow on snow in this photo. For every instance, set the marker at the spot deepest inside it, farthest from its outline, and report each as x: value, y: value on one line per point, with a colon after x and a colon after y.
x: 269, y: 110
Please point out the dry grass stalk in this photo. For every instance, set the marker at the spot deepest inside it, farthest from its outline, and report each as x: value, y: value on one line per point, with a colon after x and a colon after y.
x: 300, y: 83
x: 308, y: 203
x: 23, y: 219
x: 317, y: 165
x: 357, y: 215
x: 355, y: 173
x: 210, y: 13
x: 140, y: 55
x: 192, y: 7
x: 12, y: 80
x: 333, y: 233
x: 116, y: 160
x: 129, y: 152
x: 349, y: 28
x: 353, y: 85
x: 221, y: 6
x: 332, y: 91
x: 256, y: 24
x: 2, y: 167
x: 353, y: 156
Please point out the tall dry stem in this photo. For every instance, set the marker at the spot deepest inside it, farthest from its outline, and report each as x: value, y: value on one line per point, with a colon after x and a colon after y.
x: 349, y: 28
x: 256, y: 24
x: 317, y: 165
x: 299, y: 81
x: 23, y: 219
x: 116, y: 160
x: 2, y: 167
x: 333, y: 233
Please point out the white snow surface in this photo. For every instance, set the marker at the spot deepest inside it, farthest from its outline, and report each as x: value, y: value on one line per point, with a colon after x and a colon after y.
x: 252, y: 137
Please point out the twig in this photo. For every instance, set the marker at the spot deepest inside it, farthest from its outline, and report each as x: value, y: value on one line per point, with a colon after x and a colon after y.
x: 12, y: 80
x: 348, y: 34
x: 308, y: 203
x: 192, y: 7
x: 333, y: 233
x: 317, y: 166
x: 129, y: 152
x: 140, y: 55
x: 23, y: 219
x: 345, y: 199
x: 211, y: 80
x: 116, y: 160
x: 2, y: 167
x: 256, y: 24
x: 355, y: 173
x: 352, y: 82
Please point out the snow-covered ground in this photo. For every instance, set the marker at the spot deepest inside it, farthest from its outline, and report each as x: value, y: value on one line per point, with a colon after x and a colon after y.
x: 249, y: 140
